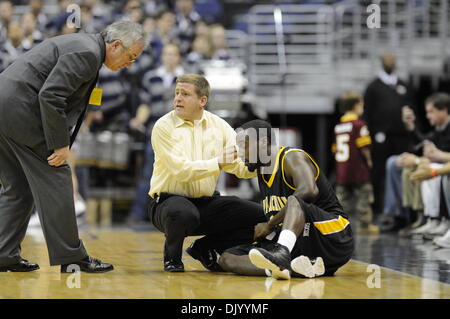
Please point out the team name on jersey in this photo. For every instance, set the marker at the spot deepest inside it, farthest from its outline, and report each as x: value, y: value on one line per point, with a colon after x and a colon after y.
x: 274, y: 203
x: 343, y: 128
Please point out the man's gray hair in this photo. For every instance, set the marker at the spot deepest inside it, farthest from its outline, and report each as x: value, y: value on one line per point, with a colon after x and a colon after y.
x: 126, y: 31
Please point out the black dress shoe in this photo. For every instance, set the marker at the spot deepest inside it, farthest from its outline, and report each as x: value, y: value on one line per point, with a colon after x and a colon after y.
x: 21, y: 266
x: 88, y: 264
x: 207, y: 257
x: 173, y: 266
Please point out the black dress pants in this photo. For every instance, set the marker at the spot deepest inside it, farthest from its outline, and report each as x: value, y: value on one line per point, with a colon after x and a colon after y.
x: 226, y: 221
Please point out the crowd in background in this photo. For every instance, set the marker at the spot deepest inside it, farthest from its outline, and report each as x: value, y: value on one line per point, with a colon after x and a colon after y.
x: 408, y: 168
x: 181, y: 41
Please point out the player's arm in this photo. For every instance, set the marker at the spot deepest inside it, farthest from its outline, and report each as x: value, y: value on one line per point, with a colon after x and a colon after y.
x: 365, y: 151
x: 146, y: 98
x: 299, y: 168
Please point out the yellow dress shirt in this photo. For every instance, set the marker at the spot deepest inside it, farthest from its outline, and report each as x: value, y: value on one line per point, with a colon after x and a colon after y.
x: 186, y: 155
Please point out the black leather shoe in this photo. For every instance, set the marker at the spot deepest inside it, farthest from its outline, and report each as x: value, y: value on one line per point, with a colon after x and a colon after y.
x: 173, y: 266
x: 88, y: 264
x: 21, y: 266
x: 207, y: 257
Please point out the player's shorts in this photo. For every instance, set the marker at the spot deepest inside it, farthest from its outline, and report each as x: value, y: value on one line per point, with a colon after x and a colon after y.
x: 326, y: 235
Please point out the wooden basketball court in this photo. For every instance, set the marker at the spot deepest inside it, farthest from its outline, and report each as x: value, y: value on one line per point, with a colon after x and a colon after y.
x: 137, y: 258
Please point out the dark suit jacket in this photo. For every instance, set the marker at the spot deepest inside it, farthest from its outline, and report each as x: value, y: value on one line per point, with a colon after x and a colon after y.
x: 45, y: 92
x: 383, y: 107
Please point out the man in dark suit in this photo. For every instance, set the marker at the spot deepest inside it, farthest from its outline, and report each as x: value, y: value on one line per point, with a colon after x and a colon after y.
x: 45, y: 93
x: 384, y: 99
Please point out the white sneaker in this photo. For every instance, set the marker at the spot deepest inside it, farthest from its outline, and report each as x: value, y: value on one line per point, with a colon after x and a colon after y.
x: 443, y: 241
x: 441, y: 229
x: 429, y: 225
x: 303, y: 266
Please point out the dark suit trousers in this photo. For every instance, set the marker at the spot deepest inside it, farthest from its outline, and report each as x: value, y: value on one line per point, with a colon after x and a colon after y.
x: 226, y: 221
x: 28, y: 181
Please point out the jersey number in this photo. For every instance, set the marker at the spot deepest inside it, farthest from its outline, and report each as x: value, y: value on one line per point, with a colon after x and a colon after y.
x: 342, y: 148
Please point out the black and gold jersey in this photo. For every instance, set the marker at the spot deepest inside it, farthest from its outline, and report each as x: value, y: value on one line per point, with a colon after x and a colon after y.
x: 277, y: 187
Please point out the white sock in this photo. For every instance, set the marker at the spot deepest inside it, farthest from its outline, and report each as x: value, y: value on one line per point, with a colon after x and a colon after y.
x: 287, y: 238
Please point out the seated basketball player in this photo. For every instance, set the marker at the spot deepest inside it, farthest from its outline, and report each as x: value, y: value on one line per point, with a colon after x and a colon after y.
x: 307, y: 230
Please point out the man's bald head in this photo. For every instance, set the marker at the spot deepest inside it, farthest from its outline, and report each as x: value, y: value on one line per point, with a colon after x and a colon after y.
x: 388, y: 61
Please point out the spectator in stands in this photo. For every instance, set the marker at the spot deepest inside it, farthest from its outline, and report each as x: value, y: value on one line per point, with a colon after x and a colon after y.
x: 32, y: 35
x: 165, y: 32
x: 383, y: 101
x: 93, y: 21
x: 152, y: 7
x: 157, y: 87
x: 149, y: 24
x: 147, y: 60
x: 201, y: 28
x: 12, y: 48
x: 400, y: 191
x: 401, y: 202
x: 425, y: 172
x: 156, y: 96
x: 217, y: 35
x: 133, y: 11
x: 435, y: 152
x: 114, y: 114
x: 186, y: 18
x: 56, y: 24
x: 201, y: 52
x: 353, y: 162
x: 6, y: 13
x: 39, y: 15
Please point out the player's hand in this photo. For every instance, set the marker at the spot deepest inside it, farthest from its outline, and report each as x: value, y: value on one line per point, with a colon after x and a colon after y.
x: 228, y: 156
x: 59, y: 156
x: 262, y: 230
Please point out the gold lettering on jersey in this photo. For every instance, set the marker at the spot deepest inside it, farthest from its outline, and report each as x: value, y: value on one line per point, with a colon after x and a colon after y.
x: 274, y: 203
x: 280, y: 202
